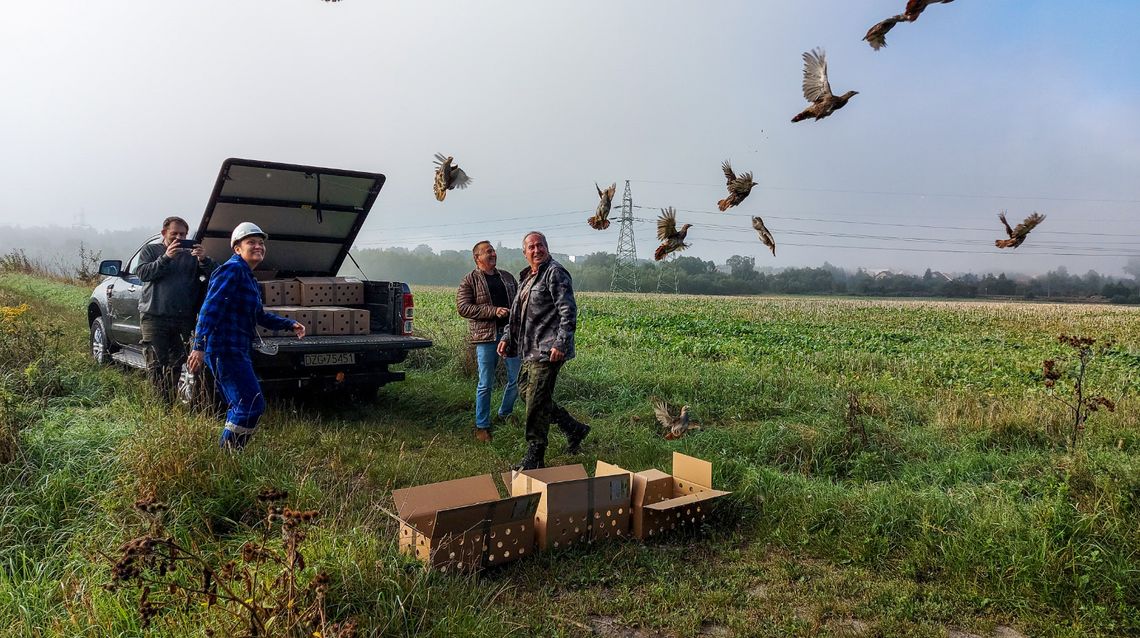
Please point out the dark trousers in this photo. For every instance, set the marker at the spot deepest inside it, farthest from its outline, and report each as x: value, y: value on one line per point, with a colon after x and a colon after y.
x: 164, y: 342
x: 536, y: 387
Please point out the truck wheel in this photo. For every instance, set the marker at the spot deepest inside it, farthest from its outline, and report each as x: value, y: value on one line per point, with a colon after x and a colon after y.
x: 199, y: 393
x: 100, y: 344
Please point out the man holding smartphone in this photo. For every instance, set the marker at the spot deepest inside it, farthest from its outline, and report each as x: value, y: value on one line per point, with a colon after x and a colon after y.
x: 174, y: 273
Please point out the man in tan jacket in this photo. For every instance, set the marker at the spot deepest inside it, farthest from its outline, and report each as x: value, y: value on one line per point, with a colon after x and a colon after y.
x: 484, y: 299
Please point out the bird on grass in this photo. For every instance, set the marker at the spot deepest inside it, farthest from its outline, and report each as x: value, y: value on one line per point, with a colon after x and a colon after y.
x: 672, y: 239
x: 448, y: 176
x: 817, y: 89
x: 675, y: 425
x: 738, y: 187
x: 765, y: 236
x: 601, y: 218
x: 1017, y: 235
x: 876, y: 35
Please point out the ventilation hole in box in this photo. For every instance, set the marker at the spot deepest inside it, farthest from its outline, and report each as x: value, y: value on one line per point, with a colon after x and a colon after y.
x: 522, y: 550
x: 407, y: 532
x: 702, y: 517
x: 619, y: 510
x: 451, y: 555
x: 698, y: 508
x: 557, y: 521
x: 421, y: 541
x: 492, y: 534
x: 522, y: 528
x: 651, y: 532
x: 443, y: 568
x: 693, y: 519
x: 555, y: 544
x: 609, y: 513
x: 490, y: 557
x: 577, y: 530
x: 508, y: 531
x: 571, y: 519
x: 688, y: 512
x: 514, y: 541
x: 613, y: 522
x: 507, y: 554
x: 499, y: 544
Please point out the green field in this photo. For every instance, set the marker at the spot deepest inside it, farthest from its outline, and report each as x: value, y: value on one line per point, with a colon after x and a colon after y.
x: 963, y: 509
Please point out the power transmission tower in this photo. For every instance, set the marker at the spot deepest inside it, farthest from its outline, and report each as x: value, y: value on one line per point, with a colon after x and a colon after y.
x: 662, y: 284
x: 625, y: 264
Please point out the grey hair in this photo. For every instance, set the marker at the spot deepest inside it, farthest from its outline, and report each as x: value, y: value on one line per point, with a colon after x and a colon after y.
x: 535, y: 232
x: 475, y: 248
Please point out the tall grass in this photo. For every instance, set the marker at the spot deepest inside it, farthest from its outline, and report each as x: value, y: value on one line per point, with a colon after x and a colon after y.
x: 961, y: 508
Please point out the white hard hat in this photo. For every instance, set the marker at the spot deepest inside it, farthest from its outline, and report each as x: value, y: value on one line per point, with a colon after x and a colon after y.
x: 245, y: 229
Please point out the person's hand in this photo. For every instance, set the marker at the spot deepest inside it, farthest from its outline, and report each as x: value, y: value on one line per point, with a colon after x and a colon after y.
x: 195, y: 360
x: 502, y: 312
x: 501, y: 349
x: 198, y: 252
x: 172, y: 249
x: 299, y: 329
x: 556, y: 355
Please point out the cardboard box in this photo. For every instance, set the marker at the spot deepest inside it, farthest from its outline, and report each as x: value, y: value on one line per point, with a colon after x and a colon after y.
x: 661, y: 502
x: 361, y: 321
x: 464, y: 525
x: 303, y: 316
x: 317, y: 291
x: 574, y: 508
x: 290, y: 292
x: 331, y: 320
x: 349, y: 291
x: 271, y: 293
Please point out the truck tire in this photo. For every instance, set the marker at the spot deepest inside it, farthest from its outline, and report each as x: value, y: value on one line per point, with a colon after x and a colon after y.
x: 199, y: 393
x: 100, y: 344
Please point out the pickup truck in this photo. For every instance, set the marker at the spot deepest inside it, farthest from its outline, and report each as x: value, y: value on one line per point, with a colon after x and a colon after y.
x: 312, y: 216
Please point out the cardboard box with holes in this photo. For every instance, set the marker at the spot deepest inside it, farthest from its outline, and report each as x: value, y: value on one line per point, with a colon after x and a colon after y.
x: 463, y: 525
x: 662, y: 503
x: 574, y: 508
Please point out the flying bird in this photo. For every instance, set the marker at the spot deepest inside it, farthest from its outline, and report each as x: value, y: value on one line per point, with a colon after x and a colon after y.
x: 916, y: 7
x: 876, y: 35
x: 1017, y: 235
x: 601, y: 218
x: 765, y: 236
x: 738, y: 187
x: 817, y: 89
x: 675, y: 425
x: 672, y: 239
x: 448, y: 176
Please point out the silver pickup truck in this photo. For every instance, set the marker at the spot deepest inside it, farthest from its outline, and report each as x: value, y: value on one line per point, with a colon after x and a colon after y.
x: 312, y: 216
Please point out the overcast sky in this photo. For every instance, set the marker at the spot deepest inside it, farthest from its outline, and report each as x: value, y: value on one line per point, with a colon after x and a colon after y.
x: 117, y: 114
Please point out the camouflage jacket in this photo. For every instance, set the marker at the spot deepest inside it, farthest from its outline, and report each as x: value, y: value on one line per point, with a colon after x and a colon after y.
x: 543, y: 314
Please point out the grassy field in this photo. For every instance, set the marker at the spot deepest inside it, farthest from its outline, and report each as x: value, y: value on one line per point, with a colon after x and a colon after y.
x: 963, y: 510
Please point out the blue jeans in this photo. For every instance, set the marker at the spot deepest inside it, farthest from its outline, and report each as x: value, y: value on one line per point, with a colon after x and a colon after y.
x: 234, y: 375
x: 488, y: 359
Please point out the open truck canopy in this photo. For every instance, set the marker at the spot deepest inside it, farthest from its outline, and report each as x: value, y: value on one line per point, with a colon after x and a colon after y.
x: 312, y: 214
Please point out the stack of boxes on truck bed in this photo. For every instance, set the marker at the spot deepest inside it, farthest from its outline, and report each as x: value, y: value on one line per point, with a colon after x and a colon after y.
x: 464, y: 525
x: 324, y: 305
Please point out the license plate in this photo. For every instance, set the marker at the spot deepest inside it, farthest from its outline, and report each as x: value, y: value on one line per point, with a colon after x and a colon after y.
x: 330, y: 359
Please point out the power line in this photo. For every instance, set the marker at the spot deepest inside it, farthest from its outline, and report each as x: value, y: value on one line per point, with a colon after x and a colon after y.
x: 907, y: 193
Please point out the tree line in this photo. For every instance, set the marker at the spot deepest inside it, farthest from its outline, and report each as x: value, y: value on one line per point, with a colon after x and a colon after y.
x: 739, y: 276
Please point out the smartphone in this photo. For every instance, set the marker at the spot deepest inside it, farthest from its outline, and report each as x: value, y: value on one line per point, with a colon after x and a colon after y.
x: 188, y: 244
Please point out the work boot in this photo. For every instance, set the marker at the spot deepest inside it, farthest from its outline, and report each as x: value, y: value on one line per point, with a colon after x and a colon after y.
x: 575, y: 431
x: 483, y: 435
x: 534, y: 458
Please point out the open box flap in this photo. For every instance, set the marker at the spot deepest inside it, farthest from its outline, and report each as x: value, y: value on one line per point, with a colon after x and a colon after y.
x: 415, y: 502
x: 681, y: 501
x: 693, y: 470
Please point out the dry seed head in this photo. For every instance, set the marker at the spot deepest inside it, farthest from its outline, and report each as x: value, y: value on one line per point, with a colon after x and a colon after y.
x: 271, y: 494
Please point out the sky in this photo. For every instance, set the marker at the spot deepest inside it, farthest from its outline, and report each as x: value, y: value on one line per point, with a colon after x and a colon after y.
x: 116, y: 114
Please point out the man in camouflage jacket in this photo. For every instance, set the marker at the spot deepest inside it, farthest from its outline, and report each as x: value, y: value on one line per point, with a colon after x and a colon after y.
x: 540, y: 329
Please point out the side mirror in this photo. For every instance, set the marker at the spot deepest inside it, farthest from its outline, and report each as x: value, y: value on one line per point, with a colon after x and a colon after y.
x: 110, y: 267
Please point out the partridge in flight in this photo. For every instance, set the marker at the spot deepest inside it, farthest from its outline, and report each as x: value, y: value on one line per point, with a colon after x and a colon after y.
x: 876, y: 35
x: 738, y: 187
x: 448, y: 176
x: 1017, y: 235
x: 672, y: 239
x: 765, y: 236
x: 601, y: 218
x: 675, y: 425
x: 817, y: 89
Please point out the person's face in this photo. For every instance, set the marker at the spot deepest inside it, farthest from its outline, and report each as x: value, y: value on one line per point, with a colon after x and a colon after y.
x: 534, y: 249
x: 251, y: 250
x: 173, y: 233
x: 486, y: 258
